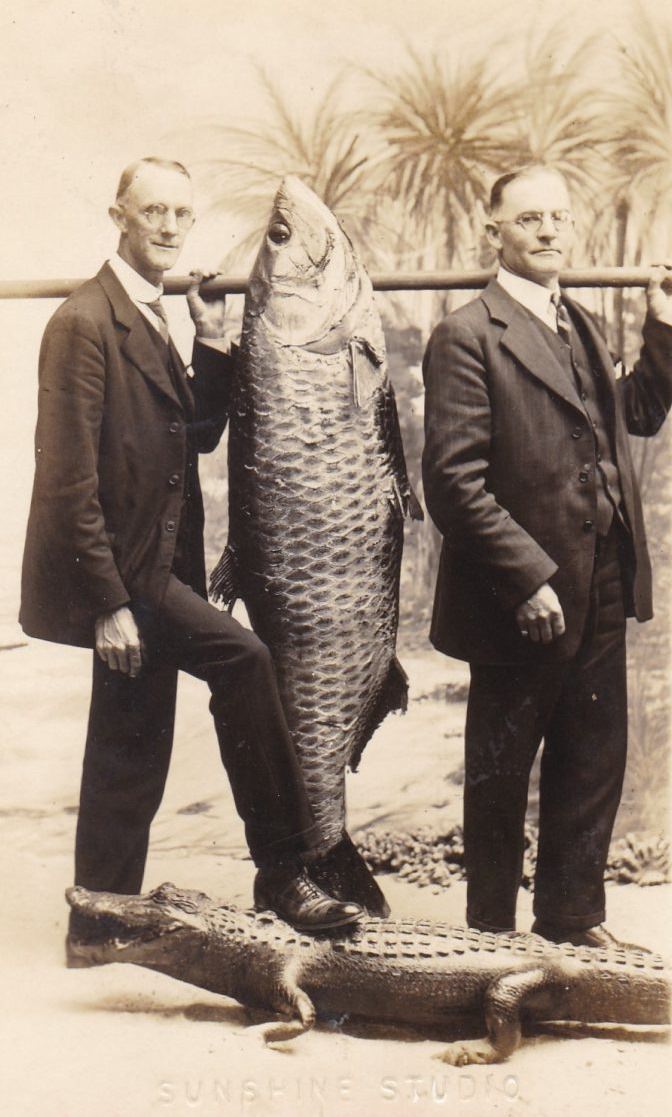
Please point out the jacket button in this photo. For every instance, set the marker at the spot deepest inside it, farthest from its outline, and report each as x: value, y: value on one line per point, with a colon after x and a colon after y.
x: 577, y: 432
x: 173, y: 479
x: 588, y: 525
x: 174, y: 428
x: 170, y: 525
x: 583, y: 477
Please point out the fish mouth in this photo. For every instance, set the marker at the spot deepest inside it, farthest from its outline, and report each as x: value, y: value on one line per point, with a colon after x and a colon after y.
x: 301, y: 210
x: 306, y: 278
x: 317, y: 262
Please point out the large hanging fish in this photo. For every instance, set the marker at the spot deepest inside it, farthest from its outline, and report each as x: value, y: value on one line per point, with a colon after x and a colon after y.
x: 318, y: 494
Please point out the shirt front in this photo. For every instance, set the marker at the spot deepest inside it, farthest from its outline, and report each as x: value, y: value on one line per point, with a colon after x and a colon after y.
x: 141, y: 292
x: 138, y: 289
x: 534, y: 297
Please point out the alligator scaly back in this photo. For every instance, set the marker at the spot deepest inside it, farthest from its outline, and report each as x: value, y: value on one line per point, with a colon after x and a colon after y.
x: 409, y: 972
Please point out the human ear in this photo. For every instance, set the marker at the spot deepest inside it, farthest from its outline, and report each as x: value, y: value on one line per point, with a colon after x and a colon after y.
x: 118, y: 216
x: 492, y: 235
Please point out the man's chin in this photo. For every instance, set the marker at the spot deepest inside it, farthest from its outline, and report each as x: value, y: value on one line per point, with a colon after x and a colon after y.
x: 165, y: 258
x: 547, y: 261
x: 545, y: 270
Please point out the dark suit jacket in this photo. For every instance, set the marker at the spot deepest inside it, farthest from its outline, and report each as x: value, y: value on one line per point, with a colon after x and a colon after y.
x: 506, y: 440
x: 113, y: 442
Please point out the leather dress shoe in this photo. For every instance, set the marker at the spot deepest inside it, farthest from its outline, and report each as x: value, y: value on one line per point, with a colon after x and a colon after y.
x: 299, y: 901
x: 597, y: 937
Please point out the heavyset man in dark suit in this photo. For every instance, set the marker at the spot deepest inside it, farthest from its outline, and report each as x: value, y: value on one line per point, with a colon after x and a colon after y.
x: 529, y: 478
x: 114, y: 560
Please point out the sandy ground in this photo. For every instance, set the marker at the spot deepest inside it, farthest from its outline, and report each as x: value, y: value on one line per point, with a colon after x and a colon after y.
x: 122, y: 1042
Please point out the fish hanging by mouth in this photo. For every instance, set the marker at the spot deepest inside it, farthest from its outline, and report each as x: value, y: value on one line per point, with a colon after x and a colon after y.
x: 318, y: 492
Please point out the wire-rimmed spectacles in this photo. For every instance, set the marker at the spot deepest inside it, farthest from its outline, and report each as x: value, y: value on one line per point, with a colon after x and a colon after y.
x: 533, y: 219
x: 155, y: 216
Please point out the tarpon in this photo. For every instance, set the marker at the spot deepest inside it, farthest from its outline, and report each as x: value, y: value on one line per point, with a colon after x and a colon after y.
x: 318, y: 491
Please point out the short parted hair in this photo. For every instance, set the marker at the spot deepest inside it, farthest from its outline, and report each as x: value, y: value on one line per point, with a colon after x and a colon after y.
x: 500, y: 185
x: 129, y: 172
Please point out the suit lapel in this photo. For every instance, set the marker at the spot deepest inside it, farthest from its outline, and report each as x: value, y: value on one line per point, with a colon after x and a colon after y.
x: 523, y: 344
x: 137, y: 344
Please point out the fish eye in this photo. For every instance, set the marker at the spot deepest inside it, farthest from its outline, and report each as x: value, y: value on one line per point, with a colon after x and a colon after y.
x: 279, y: 233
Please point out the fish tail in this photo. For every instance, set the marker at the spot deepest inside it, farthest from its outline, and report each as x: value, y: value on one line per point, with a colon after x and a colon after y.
x: 223, y: 580
x: 394, y: 696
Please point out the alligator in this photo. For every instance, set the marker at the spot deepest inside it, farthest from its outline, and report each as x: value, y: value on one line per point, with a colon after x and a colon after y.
x: 402, y: 972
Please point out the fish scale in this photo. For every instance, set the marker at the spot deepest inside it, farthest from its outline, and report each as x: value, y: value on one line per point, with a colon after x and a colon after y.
x: 317, y: 486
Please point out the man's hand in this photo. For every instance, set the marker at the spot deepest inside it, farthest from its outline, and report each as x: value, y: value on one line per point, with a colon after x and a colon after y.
x: 659, y: 293
x: 541, y: 617
x: 118, y: 641
x: 206, y: 311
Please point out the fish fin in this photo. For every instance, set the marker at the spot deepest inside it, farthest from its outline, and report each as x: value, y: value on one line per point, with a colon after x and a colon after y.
x: 366, y: 375
x: 396, y: 499
x: 394, y: 696
x: 413, y: 505
x: 406, y: 503
x: 388, y: 417
x: 223, y: 580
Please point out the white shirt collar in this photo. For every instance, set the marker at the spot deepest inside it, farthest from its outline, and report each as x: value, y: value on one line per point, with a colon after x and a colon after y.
x: 531, y: 295
x: 137, y: 288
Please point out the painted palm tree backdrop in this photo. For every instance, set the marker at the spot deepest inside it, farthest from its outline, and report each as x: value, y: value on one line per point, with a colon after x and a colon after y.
x: 405, y: 157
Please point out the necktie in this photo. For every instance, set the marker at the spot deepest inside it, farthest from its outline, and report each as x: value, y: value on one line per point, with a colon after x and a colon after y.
x: 162, y: 324
x: 562, y: 318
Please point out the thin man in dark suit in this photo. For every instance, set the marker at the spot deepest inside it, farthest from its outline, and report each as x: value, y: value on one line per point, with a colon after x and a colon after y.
x: 114, y: 560
x: 529, y: 478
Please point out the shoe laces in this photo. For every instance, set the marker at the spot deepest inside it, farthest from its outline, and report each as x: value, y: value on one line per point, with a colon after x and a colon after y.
x: 307, y: 889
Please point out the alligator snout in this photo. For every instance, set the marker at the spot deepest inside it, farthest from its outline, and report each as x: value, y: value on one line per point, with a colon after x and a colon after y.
x: 77, y: 896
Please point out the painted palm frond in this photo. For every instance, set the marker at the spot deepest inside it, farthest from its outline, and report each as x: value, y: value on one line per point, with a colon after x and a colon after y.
x: 563, y: 121
x: 447, y: 127
x: 320, y: 146
x: 641, y: 137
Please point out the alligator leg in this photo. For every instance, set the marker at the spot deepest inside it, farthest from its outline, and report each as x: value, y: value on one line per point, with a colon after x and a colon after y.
x: 503, y: 1004
x: 291, y: 1000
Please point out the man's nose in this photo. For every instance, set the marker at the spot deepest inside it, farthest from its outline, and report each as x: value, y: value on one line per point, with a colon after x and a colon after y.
x: 547, y: 227
x: 169, y: 222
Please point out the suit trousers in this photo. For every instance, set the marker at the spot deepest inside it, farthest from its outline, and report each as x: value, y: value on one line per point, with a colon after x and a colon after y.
x: 130, y: 736
x: 579, y: 708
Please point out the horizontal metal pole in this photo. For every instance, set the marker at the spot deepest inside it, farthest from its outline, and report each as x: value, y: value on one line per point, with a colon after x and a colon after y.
x: 382, y: 281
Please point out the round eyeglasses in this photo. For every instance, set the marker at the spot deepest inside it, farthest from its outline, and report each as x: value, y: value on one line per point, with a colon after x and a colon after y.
x: 533, y: 219
x: 156, y: 215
